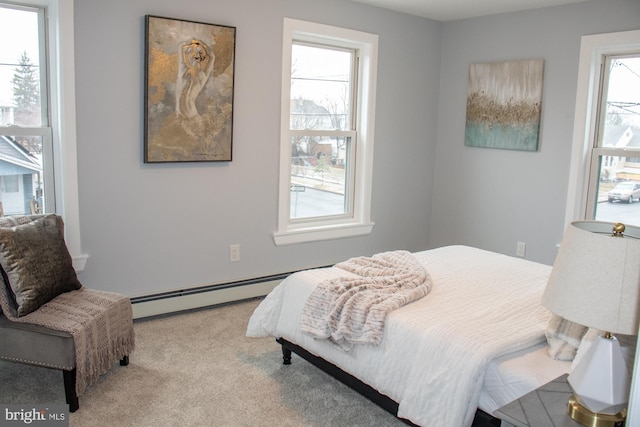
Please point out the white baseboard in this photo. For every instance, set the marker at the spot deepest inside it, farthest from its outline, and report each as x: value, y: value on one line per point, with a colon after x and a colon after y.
x: 148, y: 306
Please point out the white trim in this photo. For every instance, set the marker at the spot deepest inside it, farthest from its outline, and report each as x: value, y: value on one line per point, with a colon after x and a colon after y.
x: 330, y: 232
x: 290, y: 232
x: 592, y: 50
x: 65, y: 97
x: 63, y: 121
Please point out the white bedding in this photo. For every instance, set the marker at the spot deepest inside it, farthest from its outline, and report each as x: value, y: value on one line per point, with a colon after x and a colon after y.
x: 435, y: 352
x: 511, y: 376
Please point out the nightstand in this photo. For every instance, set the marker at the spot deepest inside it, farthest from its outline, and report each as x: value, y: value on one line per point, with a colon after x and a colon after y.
x: 544, y: 407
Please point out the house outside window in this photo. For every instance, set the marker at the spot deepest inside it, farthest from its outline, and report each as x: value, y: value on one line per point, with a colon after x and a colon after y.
x: 327, y: 122
x: 604, y: 180
x: 37, y: 113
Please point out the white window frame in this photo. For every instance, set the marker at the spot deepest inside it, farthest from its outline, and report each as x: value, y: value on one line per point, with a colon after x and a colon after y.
x: 359, y: 223
x: 593, y: 52
x: 60, y: 34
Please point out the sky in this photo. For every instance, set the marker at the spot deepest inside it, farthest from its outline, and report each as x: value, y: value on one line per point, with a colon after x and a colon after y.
x: 327, y: 70
x: 624, y: 86
x: 18, y: 33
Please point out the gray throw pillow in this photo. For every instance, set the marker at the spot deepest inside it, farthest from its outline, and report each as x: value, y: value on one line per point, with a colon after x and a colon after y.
x: 36, y: 263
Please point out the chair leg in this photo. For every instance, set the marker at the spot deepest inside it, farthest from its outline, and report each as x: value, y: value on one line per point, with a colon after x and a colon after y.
x: 70, y: 389
x: 70, y: 386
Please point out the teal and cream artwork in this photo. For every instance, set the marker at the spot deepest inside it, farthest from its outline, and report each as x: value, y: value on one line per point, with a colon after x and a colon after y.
x: 504, y: 104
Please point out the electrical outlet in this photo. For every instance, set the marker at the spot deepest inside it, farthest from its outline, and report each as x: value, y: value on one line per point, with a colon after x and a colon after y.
x: 234, y: 253
x: 520, y: 249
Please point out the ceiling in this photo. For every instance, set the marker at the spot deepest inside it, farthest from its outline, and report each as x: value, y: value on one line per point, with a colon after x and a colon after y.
x: 449, y: 10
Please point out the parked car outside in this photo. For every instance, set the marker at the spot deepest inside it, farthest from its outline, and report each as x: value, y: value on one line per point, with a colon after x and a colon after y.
x: 625, y: 191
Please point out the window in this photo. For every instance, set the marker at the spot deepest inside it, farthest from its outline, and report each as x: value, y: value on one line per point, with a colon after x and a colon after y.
x: 328, y: 99
x: 26, y: 134
x: 604, y: 182
x: 321, y: 130
x: 37, y: 113
x: 614, y: 175
x: 10, y: 184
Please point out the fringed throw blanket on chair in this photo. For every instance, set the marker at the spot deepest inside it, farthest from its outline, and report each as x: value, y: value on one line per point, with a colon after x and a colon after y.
x: 352, y: 309
x: 101, y: 325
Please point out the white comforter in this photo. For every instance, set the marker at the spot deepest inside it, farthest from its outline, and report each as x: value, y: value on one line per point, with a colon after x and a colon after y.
x: 435, y: 351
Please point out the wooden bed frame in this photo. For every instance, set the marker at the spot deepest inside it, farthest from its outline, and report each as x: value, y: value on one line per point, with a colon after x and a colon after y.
x: 481, y: 419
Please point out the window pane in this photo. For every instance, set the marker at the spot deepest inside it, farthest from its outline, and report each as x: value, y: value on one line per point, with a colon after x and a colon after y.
x: 23, y: 103
x: 318, y: 176
x: 618, y: 193
x: 320, y: 88
x: 615, y: 191
x: 21, y: 175
x: 20, y: 80
x: 622, y: 101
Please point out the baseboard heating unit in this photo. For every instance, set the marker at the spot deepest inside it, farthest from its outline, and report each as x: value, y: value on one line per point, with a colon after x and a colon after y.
x: 203, y: 296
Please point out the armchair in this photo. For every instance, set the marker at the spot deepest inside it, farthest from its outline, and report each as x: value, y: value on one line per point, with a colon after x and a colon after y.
x: 47, y: 317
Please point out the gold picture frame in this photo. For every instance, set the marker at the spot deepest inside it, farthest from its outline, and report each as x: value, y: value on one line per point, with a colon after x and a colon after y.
x: 189, y: 85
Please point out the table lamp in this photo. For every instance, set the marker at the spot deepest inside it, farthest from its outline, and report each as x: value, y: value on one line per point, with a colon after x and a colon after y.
x: 595, y: 282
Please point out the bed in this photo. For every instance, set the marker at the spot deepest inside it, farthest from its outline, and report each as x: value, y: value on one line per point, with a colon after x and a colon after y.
x: 476, y: 340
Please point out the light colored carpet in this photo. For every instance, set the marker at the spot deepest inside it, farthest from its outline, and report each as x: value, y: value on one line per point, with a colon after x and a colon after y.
x: 199, y: 369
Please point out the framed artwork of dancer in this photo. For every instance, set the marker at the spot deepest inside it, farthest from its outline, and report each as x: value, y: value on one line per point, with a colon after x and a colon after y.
x: 189, y: 75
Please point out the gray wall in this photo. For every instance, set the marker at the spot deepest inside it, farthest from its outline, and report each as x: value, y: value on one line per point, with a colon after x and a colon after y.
x: 494, y: 198
x: 150, y: 228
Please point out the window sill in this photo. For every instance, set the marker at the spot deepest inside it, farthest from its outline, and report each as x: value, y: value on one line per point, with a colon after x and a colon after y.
x: 313, y: 234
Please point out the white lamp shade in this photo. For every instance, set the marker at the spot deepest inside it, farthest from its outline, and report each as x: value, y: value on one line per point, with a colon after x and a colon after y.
x: 595, y: 280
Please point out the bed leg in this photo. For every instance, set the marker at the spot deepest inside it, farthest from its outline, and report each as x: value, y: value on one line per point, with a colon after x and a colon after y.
x: 286, y: 356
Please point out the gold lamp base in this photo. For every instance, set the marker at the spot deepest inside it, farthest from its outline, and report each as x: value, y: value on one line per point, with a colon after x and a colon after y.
x: 591, y: 419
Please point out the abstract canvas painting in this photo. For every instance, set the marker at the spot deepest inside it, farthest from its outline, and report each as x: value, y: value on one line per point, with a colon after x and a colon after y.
x: 189, y: 77
x: 504, y: 102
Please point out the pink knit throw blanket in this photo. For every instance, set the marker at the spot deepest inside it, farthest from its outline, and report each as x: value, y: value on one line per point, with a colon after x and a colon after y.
x: 101, y: 324
x: 352, y: 309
